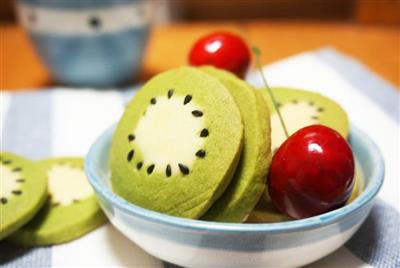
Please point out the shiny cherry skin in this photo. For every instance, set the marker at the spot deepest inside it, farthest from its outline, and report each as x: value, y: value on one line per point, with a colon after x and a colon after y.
x: 222, y: 50
x: 311, y: 173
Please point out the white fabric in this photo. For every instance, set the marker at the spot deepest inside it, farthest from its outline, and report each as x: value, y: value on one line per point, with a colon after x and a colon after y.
x: 4, y: 103
x: 105, y: 247
x: 80, y: 116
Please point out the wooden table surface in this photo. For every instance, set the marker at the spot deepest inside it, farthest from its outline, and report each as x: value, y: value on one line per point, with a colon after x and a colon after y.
x: 375, y: 46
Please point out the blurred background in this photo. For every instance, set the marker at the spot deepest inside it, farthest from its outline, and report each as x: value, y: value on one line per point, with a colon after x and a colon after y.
x: 360, y: 11
x: 365, y: 29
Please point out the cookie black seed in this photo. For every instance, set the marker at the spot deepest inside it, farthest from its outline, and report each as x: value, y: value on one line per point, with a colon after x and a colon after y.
x: 315, y: 117
x: 278, y: 104
x: 56, y: 204
x: 197, y: 113
x: 3, y: 200
x: 320, y: 109
x: 139, y: 165
x: 17, y: 169
x: 131, y: 137
x: 201, y: 153
x: 295, y: 101
x: 150, y: 169
x: 17, y: 192
x: 170, y: 93
x: 204, y: 133
x: 75, y: 201
x: 130, y: 155
x: 311, y: 103
x: 168, y: 171
x: 6, y: 162
x: 153, y: 101
x: 187, y: 99
x: 20, y: 180
x: 184, y: 169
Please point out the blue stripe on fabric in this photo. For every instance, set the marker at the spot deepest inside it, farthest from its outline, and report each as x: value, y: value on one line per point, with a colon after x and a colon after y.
x: 378, y: 240
x: 12, y: 256
x: 27, y: 131
x: 27, y: 126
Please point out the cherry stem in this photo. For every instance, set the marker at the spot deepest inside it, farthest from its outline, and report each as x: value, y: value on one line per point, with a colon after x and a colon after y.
x: 257, y: 53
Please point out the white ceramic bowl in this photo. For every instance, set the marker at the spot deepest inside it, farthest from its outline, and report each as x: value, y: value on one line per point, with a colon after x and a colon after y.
x: 197, y: 243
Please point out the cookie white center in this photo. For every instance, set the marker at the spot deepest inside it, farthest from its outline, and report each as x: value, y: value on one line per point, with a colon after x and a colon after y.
x: 68, y: 184
x: 169, y: 134
x: 296, y: 116
x: 8, y: 181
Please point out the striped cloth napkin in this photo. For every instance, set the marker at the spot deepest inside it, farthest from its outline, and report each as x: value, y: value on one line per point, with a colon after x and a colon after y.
x: 65, y: 122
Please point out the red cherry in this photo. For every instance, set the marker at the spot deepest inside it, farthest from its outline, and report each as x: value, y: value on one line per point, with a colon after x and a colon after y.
x: 222, y: 50
x: 311, y: 173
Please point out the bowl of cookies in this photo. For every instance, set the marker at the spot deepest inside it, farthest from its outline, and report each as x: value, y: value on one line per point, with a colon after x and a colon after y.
x: 200, y: 172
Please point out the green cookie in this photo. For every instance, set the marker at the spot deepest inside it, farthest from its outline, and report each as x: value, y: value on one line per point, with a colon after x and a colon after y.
x: 178, y: 143
x: 300, y: 108
x: 71, y: 211
x: 248, y: 182
x: 23, y: 192
x: 358, y: 184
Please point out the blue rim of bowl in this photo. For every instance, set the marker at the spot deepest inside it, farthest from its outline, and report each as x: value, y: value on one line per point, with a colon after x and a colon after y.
x: 197, y: 225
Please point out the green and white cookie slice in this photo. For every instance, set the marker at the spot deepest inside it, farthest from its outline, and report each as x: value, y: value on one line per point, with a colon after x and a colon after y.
x: 178, y: 143
x: 23, y: 192
x: 71, y: 211
x: 301, y: 108
x: 248, y: 182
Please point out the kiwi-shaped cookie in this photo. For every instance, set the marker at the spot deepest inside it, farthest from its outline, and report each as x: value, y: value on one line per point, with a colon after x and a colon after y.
x: 178, y: 143
x: 300, y: 108
x: 23, y: 192
x: 71, y: 210
x: 248, y: 183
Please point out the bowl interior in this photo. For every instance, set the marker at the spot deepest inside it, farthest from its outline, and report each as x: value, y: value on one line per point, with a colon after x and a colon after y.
x: 366, y: 152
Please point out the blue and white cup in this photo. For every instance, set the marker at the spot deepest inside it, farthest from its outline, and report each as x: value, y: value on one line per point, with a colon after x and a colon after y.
x: 89, y: 43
